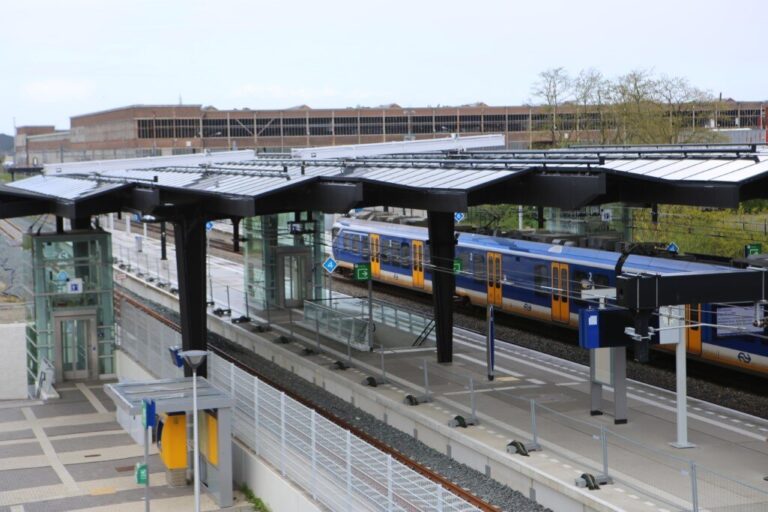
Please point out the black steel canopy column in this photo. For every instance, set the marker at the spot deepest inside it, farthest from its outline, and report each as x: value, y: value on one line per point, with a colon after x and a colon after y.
x: 189, y: 239
x: 442, y: 246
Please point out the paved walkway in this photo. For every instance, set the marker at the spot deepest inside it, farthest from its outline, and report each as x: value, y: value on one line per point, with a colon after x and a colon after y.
x: 70, y: 454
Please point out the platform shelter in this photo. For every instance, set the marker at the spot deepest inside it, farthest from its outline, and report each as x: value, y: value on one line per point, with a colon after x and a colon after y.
x: 191, y: 190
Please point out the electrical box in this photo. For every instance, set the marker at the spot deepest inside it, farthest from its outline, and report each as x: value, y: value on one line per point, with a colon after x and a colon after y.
x: 172, y: 440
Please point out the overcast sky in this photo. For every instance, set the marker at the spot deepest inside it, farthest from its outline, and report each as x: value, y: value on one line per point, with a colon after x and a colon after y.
x: 61, y: 58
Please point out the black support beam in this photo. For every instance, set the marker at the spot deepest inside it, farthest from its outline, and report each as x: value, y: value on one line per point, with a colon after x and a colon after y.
x: 560, y: 190
x: 189, y: 238
x: 442, y: 245
x: 649, y: 292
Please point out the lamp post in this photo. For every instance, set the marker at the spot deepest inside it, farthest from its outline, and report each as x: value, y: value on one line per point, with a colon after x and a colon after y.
x: 194, y: 358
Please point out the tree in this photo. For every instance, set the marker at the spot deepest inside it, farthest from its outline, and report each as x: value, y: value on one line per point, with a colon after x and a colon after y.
x: 553, y: 87
x: 636, y: 108
x: 588, y: 92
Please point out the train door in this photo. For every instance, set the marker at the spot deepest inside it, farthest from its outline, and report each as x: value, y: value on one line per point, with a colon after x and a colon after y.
x: 560, y: 293
x: 693, y: 329
x: 493, y: 278
x: 375, y: 255
x: 417, y: 264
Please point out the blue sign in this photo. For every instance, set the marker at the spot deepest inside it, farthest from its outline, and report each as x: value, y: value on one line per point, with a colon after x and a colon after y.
x: 209, y: 225
x: 458, y: 216
x: 62, y: 276
x: 176, y: 356
x: 148, y: 413
x: 330, y: 265
x: 673, y: 248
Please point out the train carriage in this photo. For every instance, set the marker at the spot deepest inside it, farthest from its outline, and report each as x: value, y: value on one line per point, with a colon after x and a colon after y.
x: 544, y: 282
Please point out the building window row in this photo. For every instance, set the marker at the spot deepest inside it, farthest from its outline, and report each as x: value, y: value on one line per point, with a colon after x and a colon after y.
x: 162, y: 128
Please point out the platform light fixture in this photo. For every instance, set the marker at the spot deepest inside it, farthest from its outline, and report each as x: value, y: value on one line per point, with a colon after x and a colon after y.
x: 194, y: 358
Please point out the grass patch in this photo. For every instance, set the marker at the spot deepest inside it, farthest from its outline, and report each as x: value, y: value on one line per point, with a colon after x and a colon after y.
x: 256, y: 502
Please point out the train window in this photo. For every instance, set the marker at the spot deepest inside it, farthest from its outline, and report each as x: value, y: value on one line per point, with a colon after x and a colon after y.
x: 464, y: 256
x: 394, y: 252
x: 601, y: 280
x: 347, y: 242
x: 405, y: 254
x: 366, y: 252
x: 564, y: 284
x: 478, y: 266
x: 334, y: 233
x: 583, y: 280
x: 385, y: 250
x: 541, y: 280
x: 555, y: 284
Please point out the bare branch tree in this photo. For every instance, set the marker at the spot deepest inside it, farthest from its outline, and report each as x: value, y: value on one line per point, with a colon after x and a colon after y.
x: 553, y: 87
x: 587, y: 88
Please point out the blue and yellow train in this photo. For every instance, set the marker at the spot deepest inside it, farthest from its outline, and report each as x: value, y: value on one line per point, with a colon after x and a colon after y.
x: 545, y: 282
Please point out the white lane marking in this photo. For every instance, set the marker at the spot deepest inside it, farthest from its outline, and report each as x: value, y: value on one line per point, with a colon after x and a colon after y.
x: 705, y: 419
x: 95, y: 402
x: 485, y: 390
x: 536, y: 381
x: 533, y: 365
x: 567, y: 383
x: 483, y: 363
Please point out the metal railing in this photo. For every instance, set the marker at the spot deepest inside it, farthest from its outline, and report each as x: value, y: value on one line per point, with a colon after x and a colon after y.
x: 335, y: 467
x: 347, y: 328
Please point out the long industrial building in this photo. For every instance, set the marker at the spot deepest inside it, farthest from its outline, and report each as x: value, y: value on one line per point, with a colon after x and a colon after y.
x: 150, y: 130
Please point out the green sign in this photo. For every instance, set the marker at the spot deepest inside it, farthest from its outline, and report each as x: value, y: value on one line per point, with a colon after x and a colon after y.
x: 457, y: 266
x: 752, y: 249
x: 141, y: 473
x: 362, y: 271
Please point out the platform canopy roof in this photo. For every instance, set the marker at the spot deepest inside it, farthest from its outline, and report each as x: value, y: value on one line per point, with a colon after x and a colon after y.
x: 241, y: 183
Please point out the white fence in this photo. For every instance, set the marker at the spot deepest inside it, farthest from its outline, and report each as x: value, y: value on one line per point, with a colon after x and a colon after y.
x: 335, y: 467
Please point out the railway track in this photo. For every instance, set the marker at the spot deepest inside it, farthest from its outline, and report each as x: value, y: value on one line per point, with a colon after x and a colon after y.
x: 10, y: 230
x: 326, y: 413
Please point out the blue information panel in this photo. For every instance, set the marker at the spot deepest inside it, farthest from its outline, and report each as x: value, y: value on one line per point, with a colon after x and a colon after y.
x: 209, y: 225
x: 458, y: 216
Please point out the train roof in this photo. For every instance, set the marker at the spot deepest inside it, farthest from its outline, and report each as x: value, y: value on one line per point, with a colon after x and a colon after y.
x: 592, y: 257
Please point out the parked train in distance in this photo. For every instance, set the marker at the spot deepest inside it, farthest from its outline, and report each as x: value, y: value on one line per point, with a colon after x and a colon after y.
x: 545, y: 282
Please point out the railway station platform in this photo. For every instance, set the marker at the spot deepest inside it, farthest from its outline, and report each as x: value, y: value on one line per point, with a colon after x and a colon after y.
x: 724, y: 471
x: 70, y: 454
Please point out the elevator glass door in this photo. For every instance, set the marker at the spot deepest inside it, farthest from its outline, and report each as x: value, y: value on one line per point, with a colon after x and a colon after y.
x: 74, y: 339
